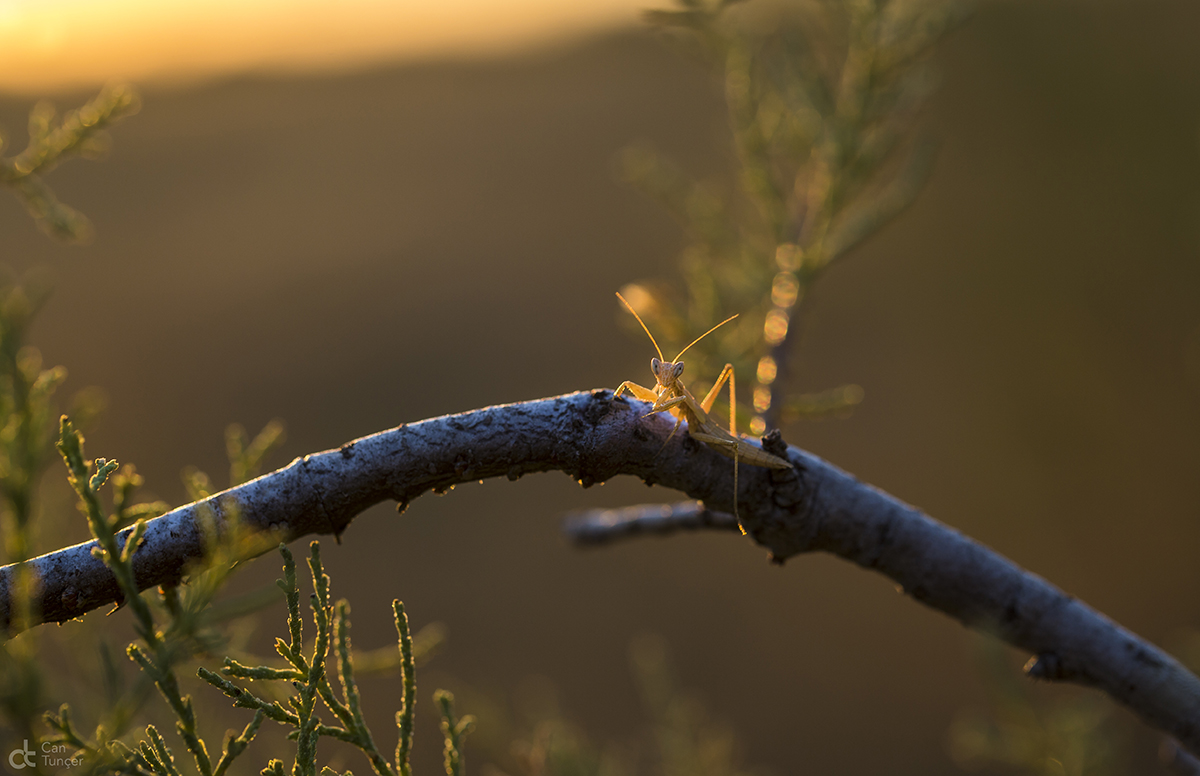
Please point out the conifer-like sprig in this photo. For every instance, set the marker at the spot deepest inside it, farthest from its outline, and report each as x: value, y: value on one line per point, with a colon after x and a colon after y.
x: 78, y: 133
x: 309, y: 676
x: 405, y: 716
x: 454, y: 730
x: 1019, y: 731
x: 821, y: 110
x: 27, y: 431
x: 188, y: 623
x: 114, y: 549
x: 247, y: 456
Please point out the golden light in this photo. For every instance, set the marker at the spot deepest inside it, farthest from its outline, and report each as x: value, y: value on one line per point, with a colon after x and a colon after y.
x: 785, y: 288
x: 762, y: 398
x: 767, y: 369
x: 788, y: 257
x: 775, y: 328
x: 54, y: 44
x: 640, y: 299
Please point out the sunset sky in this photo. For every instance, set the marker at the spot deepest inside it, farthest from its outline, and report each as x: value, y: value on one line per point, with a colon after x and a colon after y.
x: 49, y: 44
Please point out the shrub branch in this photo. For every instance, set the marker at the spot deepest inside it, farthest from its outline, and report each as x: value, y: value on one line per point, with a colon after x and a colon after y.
x: 594, y: 527
x: 592, y: 437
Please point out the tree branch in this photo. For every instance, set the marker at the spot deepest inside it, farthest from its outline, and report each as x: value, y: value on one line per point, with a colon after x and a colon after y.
x: 592, y: 527
x: 593, y: 437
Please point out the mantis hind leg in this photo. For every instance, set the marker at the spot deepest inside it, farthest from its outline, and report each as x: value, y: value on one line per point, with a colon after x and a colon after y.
x: 733, y: 445
x: 706, y: 404
x: 711, y: 397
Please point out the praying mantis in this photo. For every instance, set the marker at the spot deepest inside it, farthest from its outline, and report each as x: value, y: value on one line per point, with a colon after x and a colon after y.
x: 671, y: 395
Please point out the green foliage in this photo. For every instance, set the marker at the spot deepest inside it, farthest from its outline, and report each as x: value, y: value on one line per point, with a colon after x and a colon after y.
x: 178, y: 624
x: 26, y: 427
x: 559, y: 748
x: 27, y: 431
x: 52, y: 139
x: 309, y: 677
x: 26, y: 424
x: 685, y: 742
x: 454, y: 730
x: 27, y: 411
x: 821, y: 102
x: 246, y: 456
x: 688, y: 744
x: 1069, y: 736
x: 190, y: 628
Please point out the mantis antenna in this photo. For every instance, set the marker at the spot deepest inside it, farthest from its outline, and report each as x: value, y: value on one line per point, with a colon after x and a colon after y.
x: 629, y: 307
x: 705, y: 334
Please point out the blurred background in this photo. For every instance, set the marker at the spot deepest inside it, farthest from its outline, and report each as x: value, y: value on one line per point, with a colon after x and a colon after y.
x: 354, y: 222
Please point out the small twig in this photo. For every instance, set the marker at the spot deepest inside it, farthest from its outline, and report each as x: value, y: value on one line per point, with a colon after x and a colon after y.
x: 812, y: 507
x: 594, y: 527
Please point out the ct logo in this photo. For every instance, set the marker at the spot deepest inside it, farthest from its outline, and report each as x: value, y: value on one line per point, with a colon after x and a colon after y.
x: 27, y: 755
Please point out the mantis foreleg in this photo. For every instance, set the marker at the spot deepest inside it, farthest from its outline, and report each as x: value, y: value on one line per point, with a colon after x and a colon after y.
x: 638, y: 391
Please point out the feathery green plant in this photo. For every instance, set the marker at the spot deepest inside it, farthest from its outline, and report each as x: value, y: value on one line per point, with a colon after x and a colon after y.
x: 79, y: 132
x: 188, y: 631
x: 26, y: 418
x: 310, y: 677
x: 1071, y: 736
x: 557, y: 747
x: 27, y: 410
x: 821, y: 103
x: 173, y: 624
x: 821, y: 109
x: 685, y: 741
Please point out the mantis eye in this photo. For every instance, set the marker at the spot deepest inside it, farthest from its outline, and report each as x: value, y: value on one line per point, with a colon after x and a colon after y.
x: 678, y: 369
x: 654, y: 365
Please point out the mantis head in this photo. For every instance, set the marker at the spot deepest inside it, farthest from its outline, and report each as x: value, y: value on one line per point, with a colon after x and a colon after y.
x: 667, y: 373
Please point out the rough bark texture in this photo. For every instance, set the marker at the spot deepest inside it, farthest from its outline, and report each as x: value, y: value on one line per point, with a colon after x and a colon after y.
x: 593, y: 437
